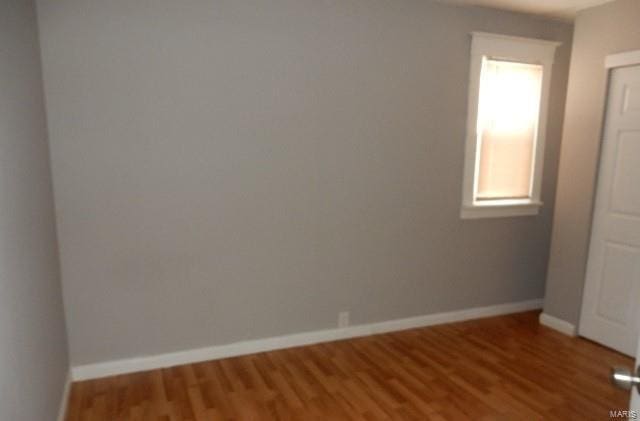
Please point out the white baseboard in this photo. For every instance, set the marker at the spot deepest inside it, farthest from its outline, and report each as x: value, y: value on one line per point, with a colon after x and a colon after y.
x: 130, y: 365
x: 557, y: 324
x: 62, y: 412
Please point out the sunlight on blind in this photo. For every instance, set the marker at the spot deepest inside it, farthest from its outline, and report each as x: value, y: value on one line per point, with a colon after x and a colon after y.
x: 507, y: 124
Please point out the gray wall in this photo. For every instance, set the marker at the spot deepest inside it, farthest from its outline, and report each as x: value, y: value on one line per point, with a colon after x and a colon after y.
x: 33, y: 350
x: 227, y: 169
x: 608, y: 29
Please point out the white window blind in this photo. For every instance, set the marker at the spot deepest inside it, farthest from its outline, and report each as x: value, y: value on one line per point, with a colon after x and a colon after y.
x: 508, y: 113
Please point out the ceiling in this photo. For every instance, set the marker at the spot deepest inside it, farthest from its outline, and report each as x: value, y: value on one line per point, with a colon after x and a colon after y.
x: 558, y: 9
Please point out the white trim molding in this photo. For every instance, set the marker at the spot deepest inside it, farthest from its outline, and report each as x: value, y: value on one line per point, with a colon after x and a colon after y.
x: 502, y: 209
x: 628, y: 58
x: 151, y: 362
x: 560, y: 325
x: 64, y: 403
x: 485, y: 47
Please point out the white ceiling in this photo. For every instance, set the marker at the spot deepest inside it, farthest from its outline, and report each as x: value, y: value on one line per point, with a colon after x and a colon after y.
x: 559, y: 9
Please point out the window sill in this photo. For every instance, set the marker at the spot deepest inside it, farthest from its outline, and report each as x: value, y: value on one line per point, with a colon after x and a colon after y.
x: 500, y: 209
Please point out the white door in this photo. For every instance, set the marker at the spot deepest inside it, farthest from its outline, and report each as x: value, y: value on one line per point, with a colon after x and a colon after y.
x: 634, y: 405
x: 611, y: 301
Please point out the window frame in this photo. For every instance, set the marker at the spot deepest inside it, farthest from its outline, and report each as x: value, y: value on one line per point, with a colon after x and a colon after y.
x: 515, y: 49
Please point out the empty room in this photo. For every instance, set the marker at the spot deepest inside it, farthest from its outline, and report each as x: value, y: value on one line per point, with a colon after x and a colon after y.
x: 319, y: 210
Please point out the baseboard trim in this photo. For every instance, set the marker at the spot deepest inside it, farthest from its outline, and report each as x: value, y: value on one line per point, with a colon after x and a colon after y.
x: 560, y: 325
x: 131, y: 365
x: 62, y: 412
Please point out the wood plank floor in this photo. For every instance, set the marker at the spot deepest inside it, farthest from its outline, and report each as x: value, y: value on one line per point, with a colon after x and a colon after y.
x: 501, y: 368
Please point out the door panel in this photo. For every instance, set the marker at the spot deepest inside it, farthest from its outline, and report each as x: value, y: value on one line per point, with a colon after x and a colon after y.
x: 626, y: 194
x: 610, y: 309
x: 614, y: 302
x: 631, y: 99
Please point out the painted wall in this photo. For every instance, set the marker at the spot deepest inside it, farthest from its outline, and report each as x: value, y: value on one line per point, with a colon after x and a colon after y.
x: 230, y: 170
x: 599, y: 31
x: 33, y: 350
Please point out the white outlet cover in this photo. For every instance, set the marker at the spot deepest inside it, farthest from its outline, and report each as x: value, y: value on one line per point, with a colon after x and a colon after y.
x: 343, y: 319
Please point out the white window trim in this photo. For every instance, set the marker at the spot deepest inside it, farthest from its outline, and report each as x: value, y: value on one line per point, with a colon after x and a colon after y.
x: 525, y: 50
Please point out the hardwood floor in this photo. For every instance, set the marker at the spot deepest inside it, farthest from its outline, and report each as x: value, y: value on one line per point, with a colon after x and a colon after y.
x: 501, y: 368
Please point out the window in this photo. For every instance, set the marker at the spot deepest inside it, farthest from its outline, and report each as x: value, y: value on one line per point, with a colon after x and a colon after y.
x: 509, y: 88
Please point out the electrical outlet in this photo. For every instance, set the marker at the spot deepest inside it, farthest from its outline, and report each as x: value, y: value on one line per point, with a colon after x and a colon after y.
x: 343, y: 319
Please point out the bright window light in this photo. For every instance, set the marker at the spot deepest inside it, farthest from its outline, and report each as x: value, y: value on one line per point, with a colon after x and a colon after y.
x: 507, y: 126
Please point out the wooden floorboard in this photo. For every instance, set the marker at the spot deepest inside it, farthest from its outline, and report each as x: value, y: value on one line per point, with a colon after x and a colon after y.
x: 500, y: 368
